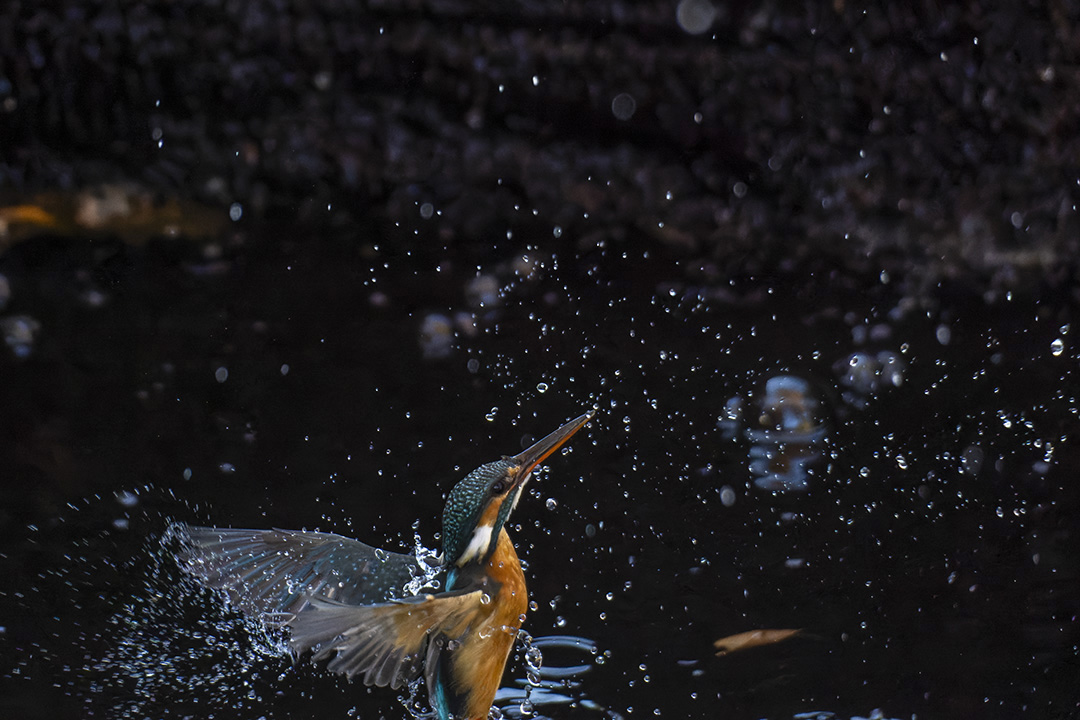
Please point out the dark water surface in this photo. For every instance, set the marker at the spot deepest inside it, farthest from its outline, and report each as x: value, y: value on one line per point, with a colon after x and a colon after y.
x: 905, y: 492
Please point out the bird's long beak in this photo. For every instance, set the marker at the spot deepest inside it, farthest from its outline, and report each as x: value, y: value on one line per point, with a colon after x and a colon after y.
x: 528, y: 459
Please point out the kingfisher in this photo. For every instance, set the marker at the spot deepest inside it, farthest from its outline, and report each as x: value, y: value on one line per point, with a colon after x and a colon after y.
x: 349, y: 604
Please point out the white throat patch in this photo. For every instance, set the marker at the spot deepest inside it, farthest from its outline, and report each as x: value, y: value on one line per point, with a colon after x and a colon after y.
x: 477, y: 546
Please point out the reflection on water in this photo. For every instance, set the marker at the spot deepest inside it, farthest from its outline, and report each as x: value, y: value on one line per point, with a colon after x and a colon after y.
x: 551, y: 684
x: 785, y: 429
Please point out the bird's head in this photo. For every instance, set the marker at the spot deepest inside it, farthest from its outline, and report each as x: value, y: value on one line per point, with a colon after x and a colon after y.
x: 480, y: 504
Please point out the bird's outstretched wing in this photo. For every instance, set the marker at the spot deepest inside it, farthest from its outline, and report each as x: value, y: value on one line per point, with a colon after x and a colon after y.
x: 278, y: 571
x: 385, y: 644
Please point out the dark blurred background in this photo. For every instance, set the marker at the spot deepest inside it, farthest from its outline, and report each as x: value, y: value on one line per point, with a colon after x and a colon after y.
x: 304, y: 264
x: 936, y: 136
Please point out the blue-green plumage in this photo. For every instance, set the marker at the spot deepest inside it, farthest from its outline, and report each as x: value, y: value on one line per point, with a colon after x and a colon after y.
x: 464, y: 505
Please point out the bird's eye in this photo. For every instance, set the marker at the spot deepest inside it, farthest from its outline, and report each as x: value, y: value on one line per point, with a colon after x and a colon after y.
x: 498, y: 487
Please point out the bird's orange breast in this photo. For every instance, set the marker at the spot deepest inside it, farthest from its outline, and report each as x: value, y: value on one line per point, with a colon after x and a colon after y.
x: 479, y: 661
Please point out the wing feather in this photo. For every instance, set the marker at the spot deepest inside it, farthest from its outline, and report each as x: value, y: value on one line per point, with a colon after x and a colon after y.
x: 382, y: 644
x: 273, y: 571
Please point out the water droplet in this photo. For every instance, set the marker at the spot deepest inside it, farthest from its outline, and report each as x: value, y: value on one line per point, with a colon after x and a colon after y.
x: 127, y: 499
x: 695, y: 16
x: 551, y: 504
x: 727, y: 496
x: 943, y: 334
x: 221, y: 374
x: 1057, y: 347
x: 542, y: 387
x: 623, y: 106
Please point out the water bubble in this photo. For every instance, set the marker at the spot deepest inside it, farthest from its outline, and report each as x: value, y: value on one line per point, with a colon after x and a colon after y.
x: 1057, y: 347
x: 427, y: 210
x: 556, y: 231
x: 236, y: 211
x: 221, y: 374
x: 943, y: 334
x: 551, y: 504
x: 542, y: 387
x: 473, y: 365
x: 285, y: 368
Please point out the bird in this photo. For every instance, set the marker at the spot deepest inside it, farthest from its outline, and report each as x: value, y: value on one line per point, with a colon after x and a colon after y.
x: 348, y: 603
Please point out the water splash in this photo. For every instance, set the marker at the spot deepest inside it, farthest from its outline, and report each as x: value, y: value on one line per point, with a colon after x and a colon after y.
x: 175, y: 646
x: 429, y: 565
